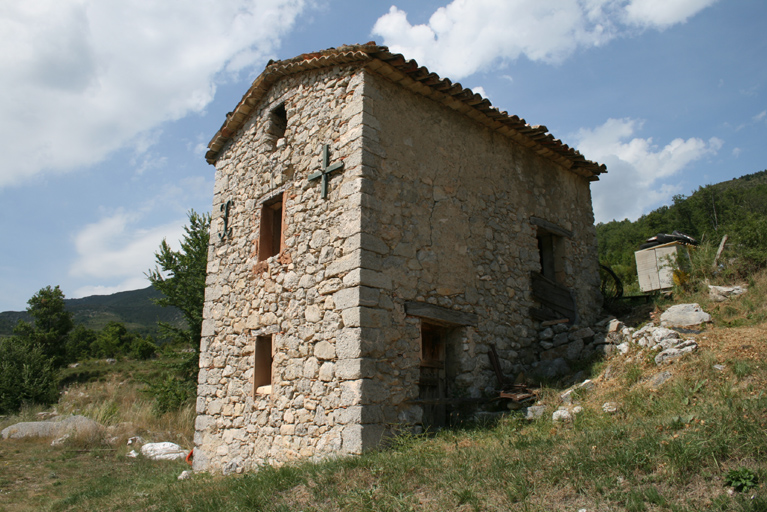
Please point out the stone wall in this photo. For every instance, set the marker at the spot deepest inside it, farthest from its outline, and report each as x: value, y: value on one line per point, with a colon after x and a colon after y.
x: 447, y: 215
x: 310, y: 410
x: 430, y: 207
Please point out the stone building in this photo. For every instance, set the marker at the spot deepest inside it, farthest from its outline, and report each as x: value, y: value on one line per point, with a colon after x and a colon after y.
x: 376, y: 229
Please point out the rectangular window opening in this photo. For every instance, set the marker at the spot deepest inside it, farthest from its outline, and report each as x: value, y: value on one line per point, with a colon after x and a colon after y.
x: 262, y: 374
x: 271, y: 237
x: 550, y: 252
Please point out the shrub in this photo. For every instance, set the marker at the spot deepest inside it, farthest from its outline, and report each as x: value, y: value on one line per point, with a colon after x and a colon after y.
x: 143, y: 348
x: 27, y: 375
x: 171, y: 393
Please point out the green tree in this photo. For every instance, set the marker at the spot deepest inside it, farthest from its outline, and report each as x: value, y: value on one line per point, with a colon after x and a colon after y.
x: 27, y: 375
x: 79, y: 342
x: 143, y: 348
x: 180, y: 276
x: 113, y: 340
x: 52, y: 324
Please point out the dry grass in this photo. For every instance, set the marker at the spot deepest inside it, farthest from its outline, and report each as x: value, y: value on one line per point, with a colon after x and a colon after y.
x: 667, y: 449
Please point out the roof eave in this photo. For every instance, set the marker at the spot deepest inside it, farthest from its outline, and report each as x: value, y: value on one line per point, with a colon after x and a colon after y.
x: 421, y: 81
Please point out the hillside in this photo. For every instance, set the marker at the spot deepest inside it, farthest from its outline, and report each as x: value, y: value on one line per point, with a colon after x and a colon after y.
x: 737, y: 208
x: 680, y: 443
x: 134, y: 309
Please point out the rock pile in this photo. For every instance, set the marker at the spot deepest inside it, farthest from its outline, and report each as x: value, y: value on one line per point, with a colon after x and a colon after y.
x: 560, y: 343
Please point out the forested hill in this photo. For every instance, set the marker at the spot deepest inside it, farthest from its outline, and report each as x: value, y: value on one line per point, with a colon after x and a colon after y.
x: 134, y: 309
x: 737, y: 208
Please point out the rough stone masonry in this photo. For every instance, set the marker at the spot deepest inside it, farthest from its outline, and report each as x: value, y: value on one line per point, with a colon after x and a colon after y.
x: 448, y: 227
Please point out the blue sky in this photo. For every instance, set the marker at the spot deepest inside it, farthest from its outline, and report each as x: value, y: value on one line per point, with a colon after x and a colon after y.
x: 107, y: 107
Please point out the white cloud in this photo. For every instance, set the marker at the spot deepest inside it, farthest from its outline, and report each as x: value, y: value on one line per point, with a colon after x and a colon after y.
x: 82, y: 78
x: 761, y: 116
x: 638, y: 170
x: 119, y: 248
x: 466, y: 36
x: 663, y: 13
x: 480, y: 90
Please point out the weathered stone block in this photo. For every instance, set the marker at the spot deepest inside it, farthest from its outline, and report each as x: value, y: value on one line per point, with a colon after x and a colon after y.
x: 324, y: 350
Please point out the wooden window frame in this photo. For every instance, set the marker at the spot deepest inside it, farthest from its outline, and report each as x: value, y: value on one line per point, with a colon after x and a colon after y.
x: 271, y: 238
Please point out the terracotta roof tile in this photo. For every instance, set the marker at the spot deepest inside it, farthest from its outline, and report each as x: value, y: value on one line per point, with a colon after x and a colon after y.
x: 417, y: 78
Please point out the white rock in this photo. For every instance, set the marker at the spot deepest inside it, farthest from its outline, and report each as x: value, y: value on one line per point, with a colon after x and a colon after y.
x: 561, y: 416
x: 615, y: 325
x: 61, y: 440
x: 676, y: 352
x: 534, y: 412
x: 185, y: 475
x: 610, y: 407
x: 132, y: 454
x: 684, y: 315
x: 623, y: 348
x: 722, y: 293
x: 54, y: 428
x: 163, y: 451
x: 662, y: 333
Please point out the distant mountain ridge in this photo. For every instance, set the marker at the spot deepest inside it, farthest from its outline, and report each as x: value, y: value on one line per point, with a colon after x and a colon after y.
x: 133, y: 308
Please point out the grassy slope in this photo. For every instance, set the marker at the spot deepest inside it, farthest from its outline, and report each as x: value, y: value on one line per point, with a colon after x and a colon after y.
x: 666, y: 449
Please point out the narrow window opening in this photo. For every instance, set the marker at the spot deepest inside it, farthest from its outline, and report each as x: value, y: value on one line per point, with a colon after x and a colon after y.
x: 262, y: 374
x: 271, y: 237
x: 546, y: 255
x: 550, y: 252
x: 278, y: 122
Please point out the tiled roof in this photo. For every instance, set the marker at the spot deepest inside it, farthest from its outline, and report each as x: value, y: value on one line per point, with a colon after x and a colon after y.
x: 418, y: 79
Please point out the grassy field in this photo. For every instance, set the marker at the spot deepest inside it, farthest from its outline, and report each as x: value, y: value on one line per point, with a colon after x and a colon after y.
x: 681, y: 447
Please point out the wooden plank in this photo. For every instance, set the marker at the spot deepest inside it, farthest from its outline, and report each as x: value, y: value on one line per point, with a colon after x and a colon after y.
x: 450, y: 401
x: 551, y: 227
x: 440, y: 314
x: 544, y: 314
x: 494, y: 360
x: 719, y: 252
x: 554, y: 297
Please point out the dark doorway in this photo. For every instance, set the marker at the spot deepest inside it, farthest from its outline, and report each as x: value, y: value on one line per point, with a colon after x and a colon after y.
x: 435, y: 376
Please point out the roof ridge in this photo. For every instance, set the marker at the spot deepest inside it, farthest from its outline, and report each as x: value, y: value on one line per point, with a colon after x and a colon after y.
x: 407, y: 72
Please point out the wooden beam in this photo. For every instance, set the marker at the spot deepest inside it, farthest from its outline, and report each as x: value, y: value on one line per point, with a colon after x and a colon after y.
x: 440, y: 314
x: 551, y: 227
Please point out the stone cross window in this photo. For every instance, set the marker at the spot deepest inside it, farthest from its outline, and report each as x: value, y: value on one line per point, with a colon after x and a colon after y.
x: 271, y: 237
x: 262, y: 370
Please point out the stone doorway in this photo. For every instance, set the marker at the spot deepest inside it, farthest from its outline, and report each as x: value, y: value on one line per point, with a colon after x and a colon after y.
x: 436, y: 374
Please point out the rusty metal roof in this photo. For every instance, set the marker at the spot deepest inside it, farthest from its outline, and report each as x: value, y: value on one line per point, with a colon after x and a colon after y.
x: 418, y: 79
